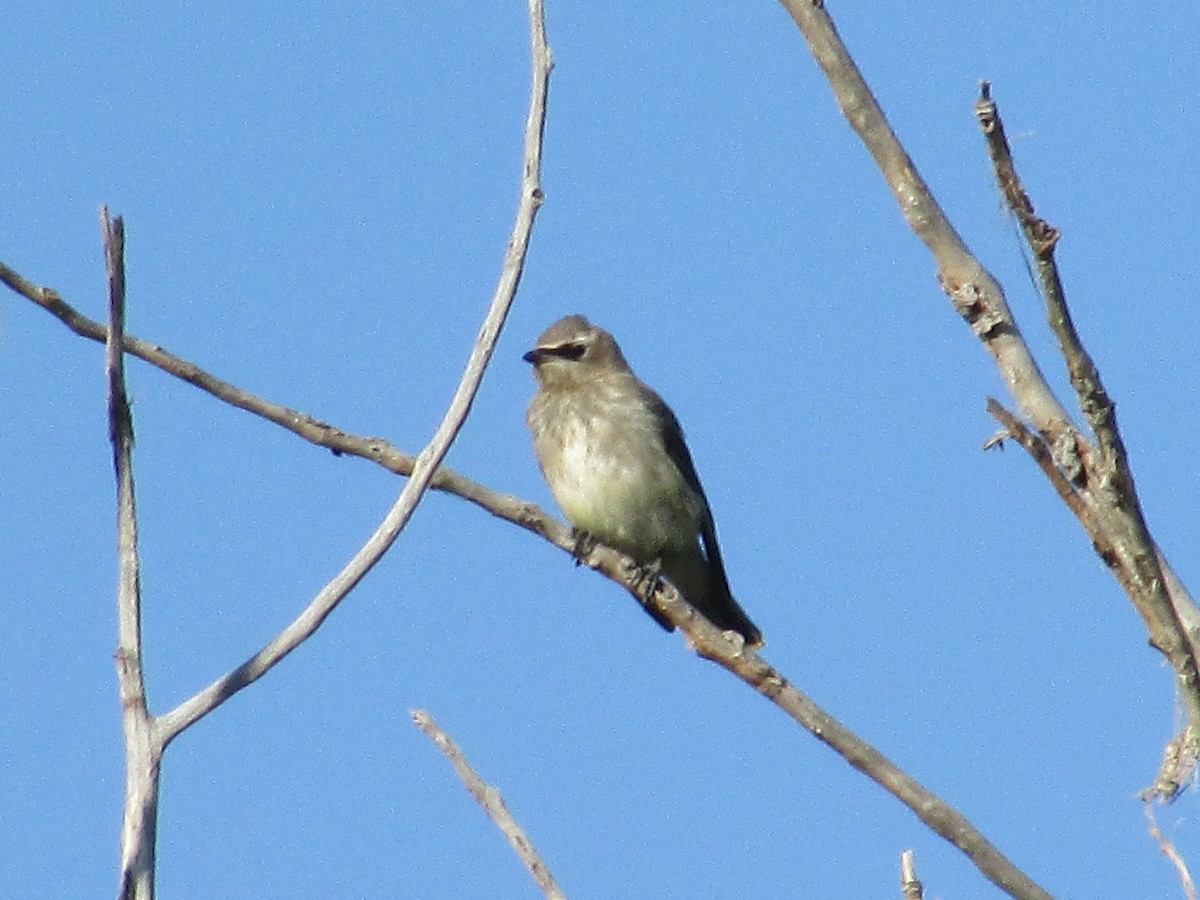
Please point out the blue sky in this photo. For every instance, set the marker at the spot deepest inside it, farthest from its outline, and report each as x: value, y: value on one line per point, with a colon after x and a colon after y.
x: 317, y: 199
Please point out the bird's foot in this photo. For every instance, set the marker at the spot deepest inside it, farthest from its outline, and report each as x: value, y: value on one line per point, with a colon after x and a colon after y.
x: 584, y: 545
x: 645, y: 578
x: 645, y: 585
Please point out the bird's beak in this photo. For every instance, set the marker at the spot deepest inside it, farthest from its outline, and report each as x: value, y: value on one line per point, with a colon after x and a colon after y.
x: 534, y: 356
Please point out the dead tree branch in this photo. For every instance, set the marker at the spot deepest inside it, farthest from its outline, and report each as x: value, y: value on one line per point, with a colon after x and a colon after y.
x: 1170, y: 852
x: 142, y: 752
x: 493, y: 804
x: 1099, y: 473
x: 910, y: 886
x: 1098, y: 486
x: 428, y: 461
x: 147, y: 736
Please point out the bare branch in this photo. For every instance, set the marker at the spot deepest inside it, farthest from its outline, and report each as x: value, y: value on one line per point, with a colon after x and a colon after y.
x: 1168, y: 850
x: 171, y: 724
x: 302, y: 424
x: 976, y: 295
x: 1042, y: 238
x: 910, y: 886
x: 1036, y: 446
x: 700, y: 633
x: 727, y: 650
x: 489, y: 798
x: 1102, y: 492
x: 142, y: 751
x: 1100, y: 479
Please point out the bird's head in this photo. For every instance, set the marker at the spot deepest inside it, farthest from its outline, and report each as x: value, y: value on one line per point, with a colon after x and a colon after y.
x: 573, y: 351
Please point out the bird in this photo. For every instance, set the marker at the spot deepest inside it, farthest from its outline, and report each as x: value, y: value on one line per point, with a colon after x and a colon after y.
x: 614, y: 456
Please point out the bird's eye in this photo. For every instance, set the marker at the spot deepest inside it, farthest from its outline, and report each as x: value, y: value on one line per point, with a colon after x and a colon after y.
x: 569, y: 351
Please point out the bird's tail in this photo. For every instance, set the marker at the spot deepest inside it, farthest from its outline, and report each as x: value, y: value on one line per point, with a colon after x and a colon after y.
x: 701, y: 579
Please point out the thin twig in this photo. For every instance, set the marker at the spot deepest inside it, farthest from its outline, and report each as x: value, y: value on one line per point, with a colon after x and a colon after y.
x: 1036, y: 447
x: 1103, y: 489
x: 493, y: 803
x: 142, y: 752
x: 910, y: 886
x: 1168, y: 850
x: 171, y: 724
x: 1042, y: 238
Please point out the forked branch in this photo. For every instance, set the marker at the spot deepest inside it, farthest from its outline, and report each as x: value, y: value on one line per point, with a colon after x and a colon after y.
x: 1097, y: 484
x: 1101, y: 487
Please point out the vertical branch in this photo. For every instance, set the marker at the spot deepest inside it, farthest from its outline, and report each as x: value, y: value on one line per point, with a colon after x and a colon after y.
x: 142, y: 752
x: 938, y: 815
x: 910, y: 885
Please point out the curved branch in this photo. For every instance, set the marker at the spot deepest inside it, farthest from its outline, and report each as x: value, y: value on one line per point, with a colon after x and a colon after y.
x: 729, y: 651
x: 171, y: 724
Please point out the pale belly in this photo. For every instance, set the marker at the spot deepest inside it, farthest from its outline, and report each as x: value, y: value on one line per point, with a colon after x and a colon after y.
x: 622, y: 488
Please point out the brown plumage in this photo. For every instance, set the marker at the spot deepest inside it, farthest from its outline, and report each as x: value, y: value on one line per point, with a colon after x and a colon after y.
x: 614, y: 456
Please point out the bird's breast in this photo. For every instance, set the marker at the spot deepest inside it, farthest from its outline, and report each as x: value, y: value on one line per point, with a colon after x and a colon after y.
x: 609, y: 471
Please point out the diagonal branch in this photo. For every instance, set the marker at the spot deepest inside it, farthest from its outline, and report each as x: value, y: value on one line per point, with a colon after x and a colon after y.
x: 1036, y: 447
x: 493, y: 804
x: 1042, y: 238
x: 942, y: 818
x: 1103, y: 491
x: 1101, y: 477
x: 975, y: 293
x: 1167, y: 846
x: 305, y: 426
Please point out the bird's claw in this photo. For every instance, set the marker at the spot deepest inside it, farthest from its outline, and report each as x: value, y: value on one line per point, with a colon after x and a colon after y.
x: 584, y: 545
x: 645, y: 578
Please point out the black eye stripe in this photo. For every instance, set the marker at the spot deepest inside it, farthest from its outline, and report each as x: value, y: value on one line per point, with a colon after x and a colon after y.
x: 568, y: 351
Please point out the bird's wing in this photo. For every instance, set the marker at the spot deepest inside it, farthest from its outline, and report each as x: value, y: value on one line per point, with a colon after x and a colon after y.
x: 677, y: 449
x: 720, y: 606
